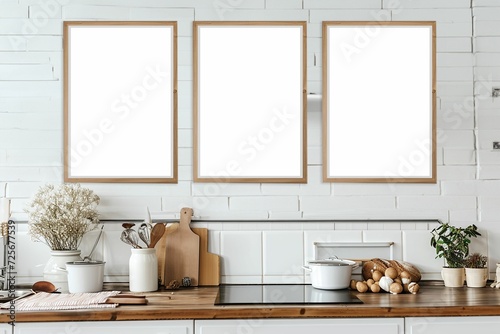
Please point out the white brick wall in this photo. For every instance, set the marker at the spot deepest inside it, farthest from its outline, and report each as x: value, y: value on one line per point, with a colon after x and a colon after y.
x: 468, y: 45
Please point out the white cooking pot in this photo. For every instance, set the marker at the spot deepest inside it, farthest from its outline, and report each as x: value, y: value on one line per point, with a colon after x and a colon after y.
x: 85, y: 276
x: 331, y: 274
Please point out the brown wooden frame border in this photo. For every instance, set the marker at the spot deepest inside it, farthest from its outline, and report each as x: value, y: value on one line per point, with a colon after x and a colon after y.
x: 382, y: 179
x: 67, y: 112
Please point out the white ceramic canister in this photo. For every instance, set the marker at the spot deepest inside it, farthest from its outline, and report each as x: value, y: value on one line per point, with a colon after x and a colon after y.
x: 52, y: 271
x: 143, y: 270
x: 497, y: 272
x: 85, y: 276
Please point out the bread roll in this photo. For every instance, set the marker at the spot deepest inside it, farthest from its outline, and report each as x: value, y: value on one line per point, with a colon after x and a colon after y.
x: 382, y: 265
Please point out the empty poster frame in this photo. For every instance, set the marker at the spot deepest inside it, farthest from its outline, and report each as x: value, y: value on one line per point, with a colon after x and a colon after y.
x: 249, y: 101
x: 379, y: 102
x: 120, y: 101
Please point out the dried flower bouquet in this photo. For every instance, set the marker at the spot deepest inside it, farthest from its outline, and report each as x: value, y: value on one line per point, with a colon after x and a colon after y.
x: 60, y: 216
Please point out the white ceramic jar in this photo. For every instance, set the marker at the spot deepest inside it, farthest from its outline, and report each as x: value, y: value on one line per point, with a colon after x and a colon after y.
x: 497, y: 273
x: 85, y: 276
x: 52, y: 271
x: 143, y: 270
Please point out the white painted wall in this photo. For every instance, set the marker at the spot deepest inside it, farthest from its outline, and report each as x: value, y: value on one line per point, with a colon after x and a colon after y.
x: 468, y: 187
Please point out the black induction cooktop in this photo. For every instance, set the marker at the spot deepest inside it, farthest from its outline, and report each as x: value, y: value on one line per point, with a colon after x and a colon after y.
x: 236, y: 294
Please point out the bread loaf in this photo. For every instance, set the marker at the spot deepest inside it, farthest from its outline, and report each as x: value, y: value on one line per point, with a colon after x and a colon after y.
x: 381, y: 265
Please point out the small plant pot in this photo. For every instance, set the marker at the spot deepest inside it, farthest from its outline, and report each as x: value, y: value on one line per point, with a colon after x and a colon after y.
x: 453, y: 277
x: 476, y: 277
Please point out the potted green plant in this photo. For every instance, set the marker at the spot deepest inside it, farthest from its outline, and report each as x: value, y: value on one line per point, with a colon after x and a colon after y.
x: 452, y: 244
x: 476, y: 273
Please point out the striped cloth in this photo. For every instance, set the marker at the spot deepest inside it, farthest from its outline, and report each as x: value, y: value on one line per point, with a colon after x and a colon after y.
x: 42, y: 301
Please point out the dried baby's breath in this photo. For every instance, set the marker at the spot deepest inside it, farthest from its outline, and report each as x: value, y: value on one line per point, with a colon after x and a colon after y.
x: 60, y: 216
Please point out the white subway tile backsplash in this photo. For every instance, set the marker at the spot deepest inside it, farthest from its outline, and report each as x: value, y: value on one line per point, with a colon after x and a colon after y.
x: 13, y: 11
x: 487, y: 44
x: 236, y: 14
x: 455, y: 73
x: 487, y: 59
x: 322, y: 203
x: 81, y: 12
x: 426, y: 4
x: 461, y: 216
x: 457, y: 156
x: 418, y: 251
x: 454, y: 44
x: 288, y: 203
x: 283, y: 253
x: 341, y: 4
x: 436, y: 202
x: 433, y: 14
x: 241, y: 252
x: 458, y: 90
x: 319, y: 15
x: 489, y: 172
x: 468, y: 169
x: 284, y: 4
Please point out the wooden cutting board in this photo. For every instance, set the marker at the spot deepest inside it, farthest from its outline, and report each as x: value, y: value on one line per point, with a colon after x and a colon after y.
x: 182, y: 251
x: 161, y: 247
x: 209, y: 263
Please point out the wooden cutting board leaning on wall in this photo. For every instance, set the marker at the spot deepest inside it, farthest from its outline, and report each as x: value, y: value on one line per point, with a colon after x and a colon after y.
x: 209, y: 272
x: 182, y: 251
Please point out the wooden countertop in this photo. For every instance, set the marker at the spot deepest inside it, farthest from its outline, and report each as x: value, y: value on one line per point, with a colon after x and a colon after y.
x: 198, y: 303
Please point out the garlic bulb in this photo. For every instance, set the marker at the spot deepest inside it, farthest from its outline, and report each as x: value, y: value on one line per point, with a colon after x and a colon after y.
x: 385, y: 283
x: 413, y: 288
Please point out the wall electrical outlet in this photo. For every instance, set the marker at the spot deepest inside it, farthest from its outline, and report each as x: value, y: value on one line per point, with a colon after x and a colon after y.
x: 495, y: 92
x: 496, y: 145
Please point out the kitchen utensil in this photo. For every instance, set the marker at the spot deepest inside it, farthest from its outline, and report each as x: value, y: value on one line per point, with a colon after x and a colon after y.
x: 44, y: 286
x: 156, y: 234
x: 89, y: 257
x: 85, y: 276
x: 331, y: 274
x: 128, y: 225
x: 130, y: 236
x: 160, y: 248
x: 144, y: 232
x: 209, y: 263
x: 40, y: 286
x: 183, y: 251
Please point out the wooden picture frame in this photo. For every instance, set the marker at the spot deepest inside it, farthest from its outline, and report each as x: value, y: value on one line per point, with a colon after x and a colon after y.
x: 249, y: 101
x: 120, y: 101
x: 379, y: 102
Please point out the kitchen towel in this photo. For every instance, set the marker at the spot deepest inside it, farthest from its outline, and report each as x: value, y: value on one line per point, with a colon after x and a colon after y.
x: 43, y: 301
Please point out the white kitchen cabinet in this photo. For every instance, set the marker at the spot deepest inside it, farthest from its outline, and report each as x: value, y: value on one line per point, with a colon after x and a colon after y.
x: 103, y: 327
x: 455, y: 325
x: 301, y: 326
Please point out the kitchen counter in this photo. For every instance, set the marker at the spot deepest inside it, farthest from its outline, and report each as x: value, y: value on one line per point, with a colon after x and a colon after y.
x: 198, y: 303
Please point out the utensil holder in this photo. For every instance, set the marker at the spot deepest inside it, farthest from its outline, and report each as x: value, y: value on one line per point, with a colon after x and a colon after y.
x: 143, y: 270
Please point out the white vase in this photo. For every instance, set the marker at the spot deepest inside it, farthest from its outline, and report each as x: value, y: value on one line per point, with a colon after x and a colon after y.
x: 143, y: 270
x: 476, y: 277
x: 55, y: 269
x: 453, y: 277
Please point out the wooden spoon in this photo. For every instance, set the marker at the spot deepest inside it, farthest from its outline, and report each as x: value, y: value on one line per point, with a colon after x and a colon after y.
x: 156, y: 234
x: 43, y: 286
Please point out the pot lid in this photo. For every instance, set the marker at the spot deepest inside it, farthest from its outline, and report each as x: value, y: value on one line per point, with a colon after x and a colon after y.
x: 335, y: 262
x: 85, y: 263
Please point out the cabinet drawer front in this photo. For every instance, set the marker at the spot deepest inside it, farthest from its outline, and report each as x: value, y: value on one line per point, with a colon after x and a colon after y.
x: 106, y: 327
x: 301, y: 326
x: 455, y: 325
